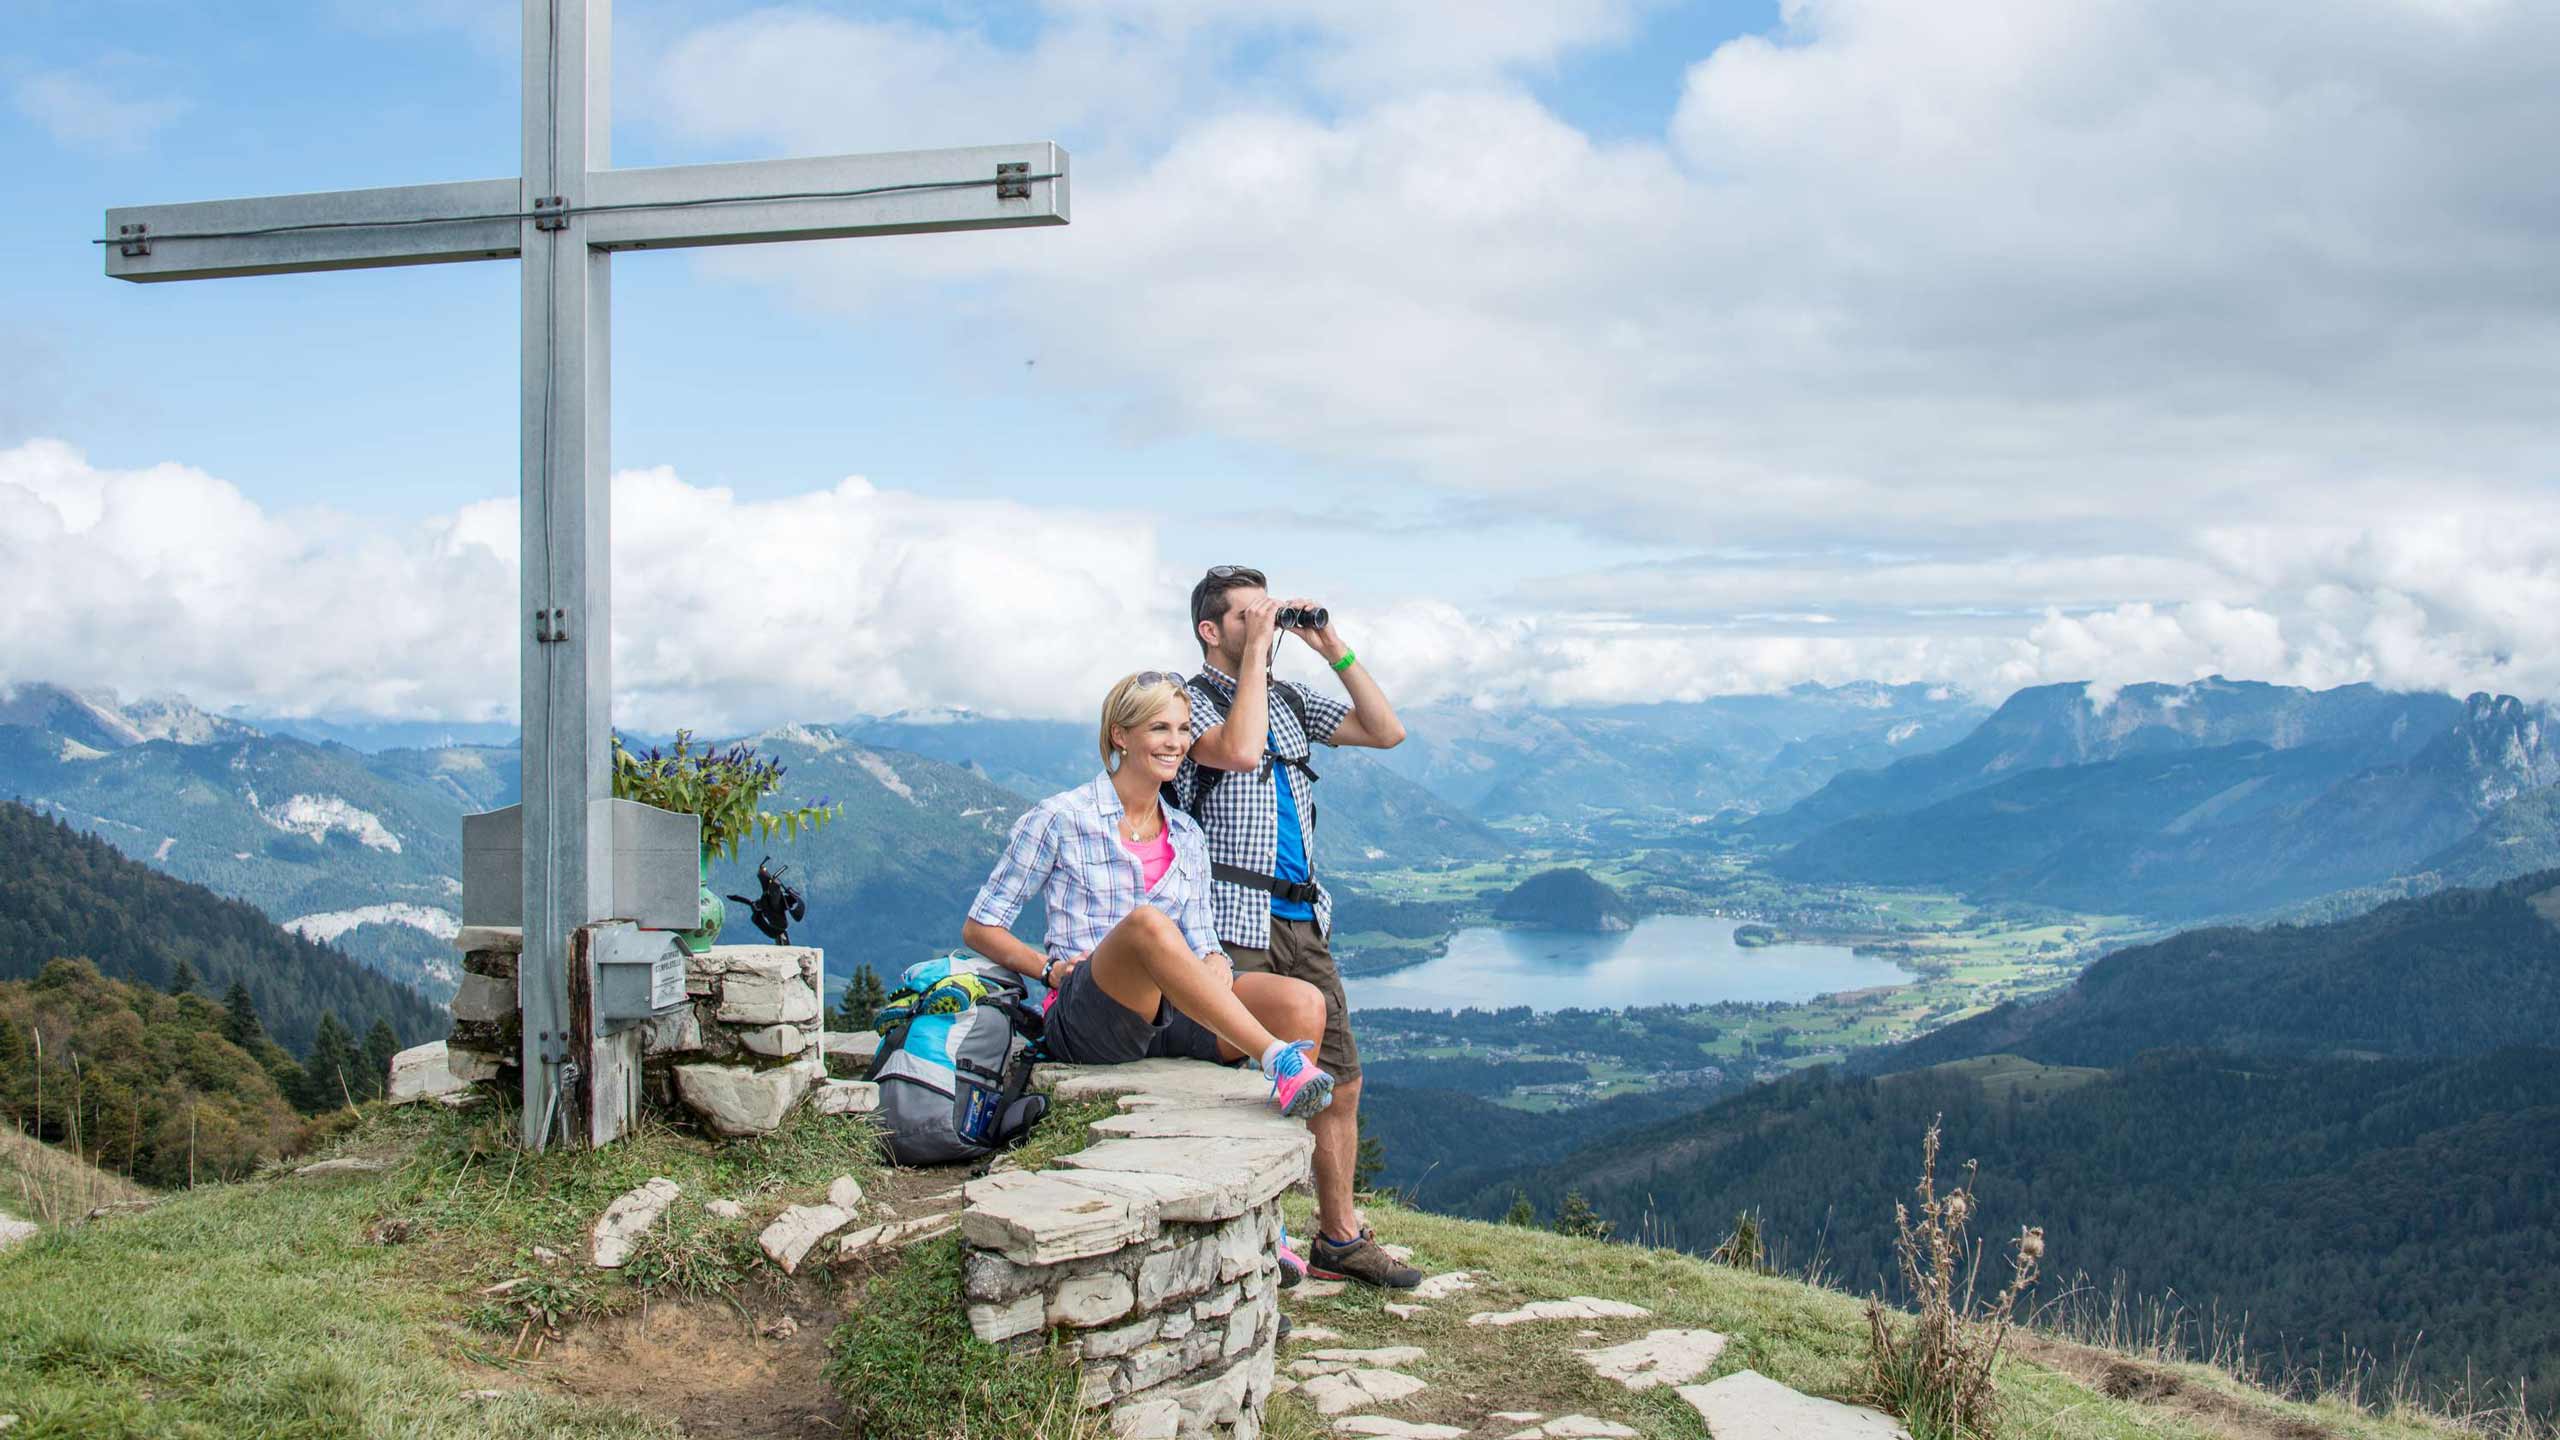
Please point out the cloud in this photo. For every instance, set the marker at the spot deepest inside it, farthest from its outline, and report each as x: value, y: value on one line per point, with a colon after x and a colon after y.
x: 2065, y: 277
x: 1122, y: 75
x: 728, y: 612
x: 87, y: 109
x: 733, y: 613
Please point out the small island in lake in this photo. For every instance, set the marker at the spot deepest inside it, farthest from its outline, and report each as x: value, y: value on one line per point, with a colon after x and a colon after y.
x: 1752, y: 937
x: 1566, y: 900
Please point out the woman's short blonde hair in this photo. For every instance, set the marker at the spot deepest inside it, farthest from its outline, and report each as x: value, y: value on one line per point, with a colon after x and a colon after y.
x: 1135, y: 700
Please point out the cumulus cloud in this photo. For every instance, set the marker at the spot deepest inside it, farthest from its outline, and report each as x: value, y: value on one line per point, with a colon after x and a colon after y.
x: 95, y: 107
x: 1986, y: 309
x: 2019, y: 341
x: 727, y: 611
x: 732, y: 613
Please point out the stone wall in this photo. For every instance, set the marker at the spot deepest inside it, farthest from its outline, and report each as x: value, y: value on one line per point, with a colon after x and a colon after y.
x: 1152, y: 1252
x: 739, y: 1054
x: 487, y: 1043
x: 745, y: 1050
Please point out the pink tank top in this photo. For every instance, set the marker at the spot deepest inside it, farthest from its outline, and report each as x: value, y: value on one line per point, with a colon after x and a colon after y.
x: 1154, y: 856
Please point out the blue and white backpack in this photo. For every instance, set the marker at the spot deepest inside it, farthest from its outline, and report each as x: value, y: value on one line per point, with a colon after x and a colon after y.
x: 957, y: 1041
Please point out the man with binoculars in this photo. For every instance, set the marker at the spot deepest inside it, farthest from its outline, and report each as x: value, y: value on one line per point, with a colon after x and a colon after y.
x: 1249, y: 784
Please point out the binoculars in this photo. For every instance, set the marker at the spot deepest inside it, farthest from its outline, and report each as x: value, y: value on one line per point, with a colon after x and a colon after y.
x: 1310, y: 619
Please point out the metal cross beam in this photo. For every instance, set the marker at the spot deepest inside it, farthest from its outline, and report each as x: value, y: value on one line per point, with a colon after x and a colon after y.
x: 564, y: 217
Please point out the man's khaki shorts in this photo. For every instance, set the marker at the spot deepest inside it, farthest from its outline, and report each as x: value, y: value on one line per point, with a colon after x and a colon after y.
x: 1299, y: 951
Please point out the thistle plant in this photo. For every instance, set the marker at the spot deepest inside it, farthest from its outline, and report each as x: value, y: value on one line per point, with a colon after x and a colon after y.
x: 725, y: 787
x: 1936, y: 1370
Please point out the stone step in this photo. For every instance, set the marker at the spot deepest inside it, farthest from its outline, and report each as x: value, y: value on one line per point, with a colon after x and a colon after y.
x: 1334, y: 1362
x: 627, y: 1218
x: 1160, y: 1082
x: 1580, y: 1307
x: 1388, y: 1428
x: 1440, y: 1287
x: 1663, y: 1357
x: 1576, y: 1427
x: 1748, y: 1405
x: 1244, y: 1172
x: 1044, y: 1218
x: 1358, y: 1390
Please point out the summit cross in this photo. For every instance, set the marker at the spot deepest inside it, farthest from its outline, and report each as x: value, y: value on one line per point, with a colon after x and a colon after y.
x: 565, y: 216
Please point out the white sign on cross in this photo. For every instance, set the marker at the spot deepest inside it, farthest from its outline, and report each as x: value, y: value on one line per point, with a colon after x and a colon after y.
x: 565, y: 217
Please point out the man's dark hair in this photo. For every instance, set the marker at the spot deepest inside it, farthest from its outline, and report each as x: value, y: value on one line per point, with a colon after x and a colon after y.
x: 1209, y: 597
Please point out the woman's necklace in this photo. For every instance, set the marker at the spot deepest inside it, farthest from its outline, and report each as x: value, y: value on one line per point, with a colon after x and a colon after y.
x: 1152, y: 831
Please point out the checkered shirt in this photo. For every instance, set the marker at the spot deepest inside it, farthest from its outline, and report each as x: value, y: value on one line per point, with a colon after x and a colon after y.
x: 1068, y: 849
x: 1243, y: 818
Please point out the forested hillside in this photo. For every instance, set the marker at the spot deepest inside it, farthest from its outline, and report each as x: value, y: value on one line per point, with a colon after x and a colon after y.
x: 2454, y: 973
x: 2348, y: 1133
x: 66, y: 894
x: 1565, y: 899
x: 2355, y: 1203
x: 165, y: 1089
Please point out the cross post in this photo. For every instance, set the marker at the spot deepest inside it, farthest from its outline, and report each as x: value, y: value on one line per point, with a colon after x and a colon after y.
x: 564, y: 217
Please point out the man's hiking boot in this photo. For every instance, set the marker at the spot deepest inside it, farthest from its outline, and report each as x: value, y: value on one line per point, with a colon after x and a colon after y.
x: 1297, y: 1086
x: 1362, y: 1260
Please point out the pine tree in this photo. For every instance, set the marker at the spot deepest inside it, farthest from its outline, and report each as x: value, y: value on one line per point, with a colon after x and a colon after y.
x: 380, y: 1044
x: 329, y: 1075
x: 182, y: 977
x: 1369, y: 1164
x: 863, y: 997
x: 1575, y: 1217
x: 240, y: 1018
x: 1521, y: 1213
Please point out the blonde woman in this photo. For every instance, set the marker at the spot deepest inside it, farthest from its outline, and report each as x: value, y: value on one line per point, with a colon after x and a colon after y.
x: 1131, y: 955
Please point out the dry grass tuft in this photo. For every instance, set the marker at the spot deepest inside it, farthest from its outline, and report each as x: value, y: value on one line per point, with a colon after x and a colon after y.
x: 1936, y: 1369
x: 56, y: 1187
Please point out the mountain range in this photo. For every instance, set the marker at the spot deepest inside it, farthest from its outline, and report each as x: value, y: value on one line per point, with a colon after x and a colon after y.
x: 67, y: 895
x: 2216, y: 798
x: 363, y: 850
x: 2178, y: 801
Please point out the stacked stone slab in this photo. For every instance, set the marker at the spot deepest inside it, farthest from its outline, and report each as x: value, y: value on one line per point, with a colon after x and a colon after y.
x: 745, y: 1050
x: 487, y: 1041
x: 1152, y: 1252
x: 740, y: 1053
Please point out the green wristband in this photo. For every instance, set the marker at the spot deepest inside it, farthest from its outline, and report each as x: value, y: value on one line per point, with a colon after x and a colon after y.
x: 1345, y: 662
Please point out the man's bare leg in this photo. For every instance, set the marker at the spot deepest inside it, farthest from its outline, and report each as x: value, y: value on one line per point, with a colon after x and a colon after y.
x: 1337, y: 1132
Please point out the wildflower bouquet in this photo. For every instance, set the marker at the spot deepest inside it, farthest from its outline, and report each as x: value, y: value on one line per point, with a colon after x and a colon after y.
x: 725, y: 787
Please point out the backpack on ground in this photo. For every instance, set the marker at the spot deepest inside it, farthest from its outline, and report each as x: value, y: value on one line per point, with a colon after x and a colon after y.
x: 954, y: 1065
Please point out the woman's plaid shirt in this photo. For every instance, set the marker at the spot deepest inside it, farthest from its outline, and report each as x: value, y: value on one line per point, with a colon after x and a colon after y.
x: 1068, y: 849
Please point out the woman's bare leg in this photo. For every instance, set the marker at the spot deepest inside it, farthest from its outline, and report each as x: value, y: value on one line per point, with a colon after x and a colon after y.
x: 1144, y: 962
x: 1290, y: 1009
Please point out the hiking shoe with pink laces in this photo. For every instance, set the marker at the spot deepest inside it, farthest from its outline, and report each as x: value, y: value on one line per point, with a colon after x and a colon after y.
x: 1298, y: 1087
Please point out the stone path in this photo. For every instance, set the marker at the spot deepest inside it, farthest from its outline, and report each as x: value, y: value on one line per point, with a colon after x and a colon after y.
x: 1349, y: 1386
x: 1664, y: 1357
x: 1748, y: 1405
x: 1580, y: 1307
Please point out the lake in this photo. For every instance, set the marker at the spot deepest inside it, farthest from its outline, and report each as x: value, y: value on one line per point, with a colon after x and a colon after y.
x: 1664, y: 960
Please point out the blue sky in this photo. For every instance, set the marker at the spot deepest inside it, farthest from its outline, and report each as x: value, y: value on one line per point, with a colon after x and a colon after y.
x: 1589, y: 350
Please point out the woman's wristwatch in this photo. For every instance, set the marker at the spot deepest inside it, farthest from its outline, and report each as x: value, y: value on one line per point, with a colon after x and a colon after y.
x: 1048, y: 970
